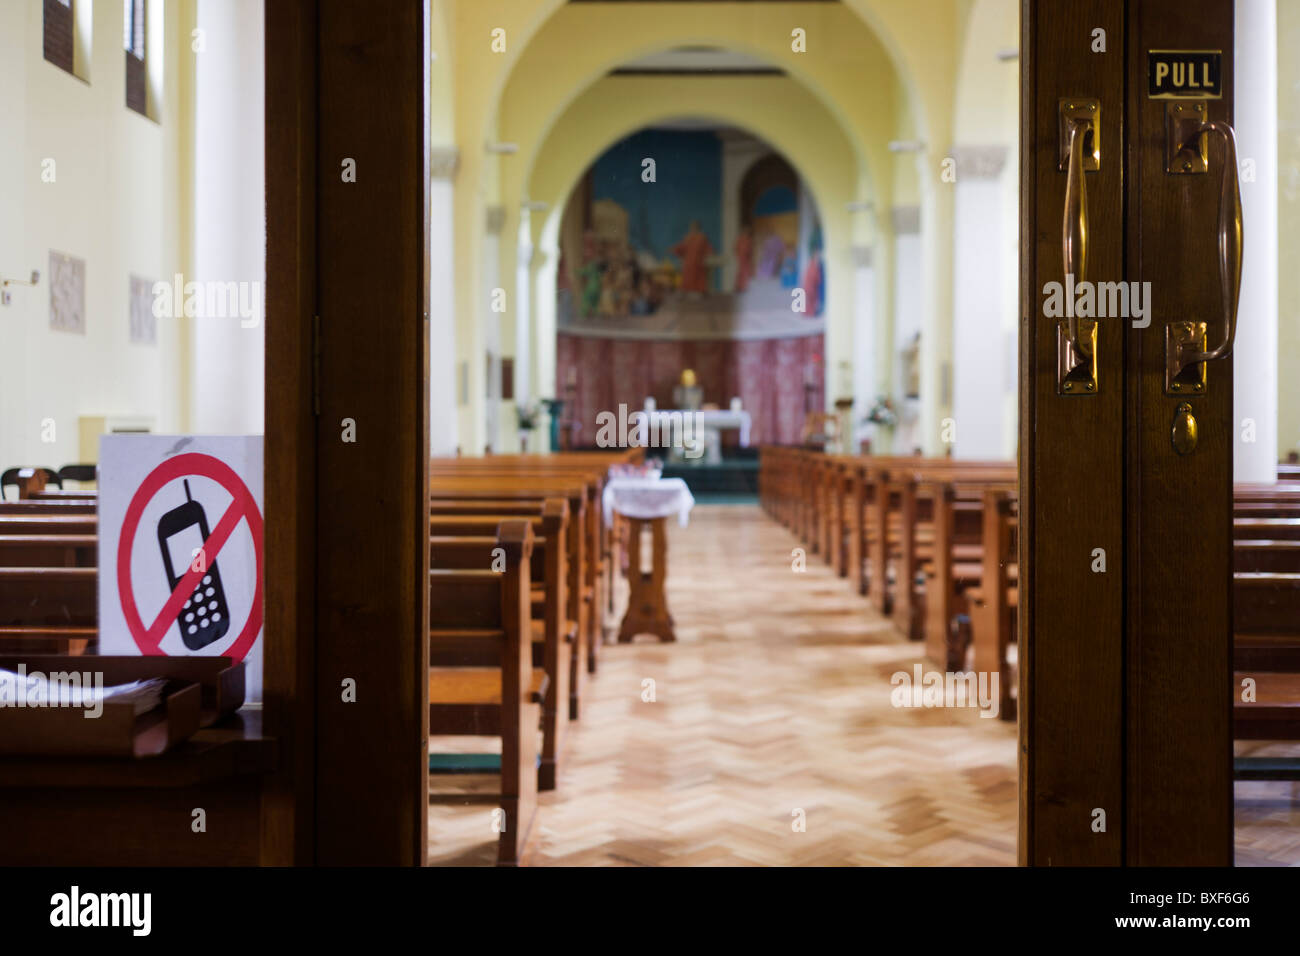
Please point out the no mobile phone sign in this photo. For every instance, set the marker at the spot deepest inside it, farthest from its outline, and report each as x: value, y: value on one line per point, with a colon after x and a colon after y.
x: 180, y: 548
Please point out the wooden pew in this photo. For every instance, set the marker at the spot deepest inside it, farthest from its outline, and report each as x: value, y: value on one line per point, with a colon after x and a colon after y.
x: 48, y: 550
x: 1266, y: 621
x: 458, y: 516
x: 1275, y: 712
x: 473, y: 545
x: 29, y: 508
x: 77, y: 525
x: 47, y: 610
x: 470, y: 486
x: 481, y: 676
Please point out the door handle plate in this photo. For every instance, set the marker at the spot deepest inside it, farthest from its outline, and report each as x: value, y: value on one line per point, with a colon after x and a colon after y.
x: 1086, y: 112
x: 1076, y: 371
x: 1182, y: 338
x: 1185, y: 149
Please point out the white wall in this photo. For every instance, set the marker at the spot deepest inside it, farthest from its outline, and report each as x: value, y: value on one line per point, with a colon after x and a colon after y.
x: 979, y: 342
x: 117, y: 202
x: 229, y: 213
x: 443, y: 437
x: 1255, y: 359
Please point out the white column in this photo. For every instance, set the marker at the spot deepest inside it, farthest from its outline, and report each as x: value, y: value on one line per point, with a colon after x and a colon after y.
x: 523, y: 310
x: 908, y: 303
x: 1255, y: 353
x: 865, y: 386
x: 229, y: 215
x: 443, y: 417
x: 978, y: 344
x: 492, y: 330
x: 936, y: 308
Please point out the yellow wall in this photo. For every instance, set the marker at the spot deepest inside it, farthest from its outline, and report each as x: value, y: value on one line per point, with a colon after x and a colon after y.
x: 120, y: 202
x: 864, y: 58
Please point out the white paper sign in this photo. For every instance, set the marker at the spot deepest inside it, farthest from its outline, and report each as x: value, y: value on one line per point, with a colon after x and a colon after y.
x: 180, y: 548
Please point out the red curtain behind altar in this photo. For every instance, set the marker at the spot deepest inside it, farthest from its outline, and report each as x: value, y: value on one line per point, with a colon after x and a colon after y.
x: 767, y: 374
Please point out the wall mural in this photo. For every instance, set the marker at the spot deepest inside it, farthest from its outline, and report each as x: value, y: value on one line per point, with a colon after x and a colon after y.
x: 716, y: 243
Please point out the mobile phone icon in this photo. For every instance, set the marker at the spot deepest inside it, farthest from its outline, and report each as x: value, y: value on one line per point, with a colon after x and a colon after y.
x: 181, y: 533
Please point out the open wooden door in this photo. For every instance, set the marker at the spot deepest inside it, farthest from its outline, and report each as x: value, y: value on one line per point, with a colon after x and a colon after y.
x: 1126, y: 435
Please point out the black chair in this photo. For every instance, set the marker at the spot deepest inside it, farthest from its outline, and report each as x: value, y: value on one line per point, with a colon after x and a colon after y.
x: 77, y: 473
x: 10, y: 477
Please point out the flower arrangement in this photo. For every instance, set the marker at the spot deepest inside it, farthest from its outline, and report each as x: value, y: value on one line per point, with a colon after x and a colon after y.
x: 527, y: 416
x: 882, y: 413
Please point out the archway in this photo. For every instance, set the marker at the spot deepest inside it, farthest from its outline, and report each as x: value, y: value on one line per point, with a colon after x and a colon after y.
x: 704, y: 258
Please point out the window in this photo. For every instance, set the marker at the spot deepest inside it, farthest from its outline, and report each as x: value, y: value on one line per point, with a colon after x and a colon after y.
x: 133, y: 40
x: 59, y: 33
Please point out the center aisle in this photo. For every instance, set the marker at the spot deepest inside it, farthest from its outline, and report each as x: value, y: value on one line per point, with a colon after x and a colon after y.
x: 775, y: 698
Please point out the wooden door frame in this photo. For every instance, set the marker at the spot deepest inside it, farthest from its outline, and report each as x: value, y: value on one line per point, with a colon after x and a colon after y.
x: 1071, y: 621
x: 1124, y: 675
x: 346, y: 521
x: 1178, y: 790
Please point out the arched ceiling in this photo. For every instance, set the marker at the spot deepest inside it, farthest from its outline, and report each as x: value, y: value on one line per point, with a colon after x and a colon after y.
x: 786, y: 116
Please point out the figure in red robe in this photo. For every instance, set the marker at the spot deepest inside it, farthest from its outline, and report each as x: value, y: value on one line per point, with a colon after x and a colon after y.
x: 744, y: 258
x: 693, y: 250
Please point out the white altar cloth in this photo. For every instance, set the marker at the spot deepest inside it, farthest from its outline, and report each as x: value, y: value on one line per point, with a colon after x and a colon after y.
x: 647, y: 498
x: 716, y: 418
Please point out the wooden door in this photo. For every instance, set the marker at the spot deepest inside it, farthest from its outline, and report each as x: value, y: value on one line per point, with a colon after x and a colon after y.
x: 347, y: 431
x: 1125, y: 611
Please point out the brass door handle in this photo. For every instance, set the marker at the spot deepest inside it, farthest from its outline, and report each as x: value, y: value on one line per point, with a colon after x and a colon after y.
x: 1080, y: 127
x: 1074, y: 224
x: 1185, y: 341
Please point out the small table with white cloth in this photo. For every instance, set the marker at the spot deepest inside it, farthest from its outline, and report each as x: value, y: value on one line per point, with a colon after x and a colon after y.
x: 647, y: 503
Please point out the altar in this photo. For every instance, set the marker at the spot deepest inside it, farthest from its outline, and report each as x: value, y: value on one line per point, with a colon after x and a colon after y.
x: 706, y: 424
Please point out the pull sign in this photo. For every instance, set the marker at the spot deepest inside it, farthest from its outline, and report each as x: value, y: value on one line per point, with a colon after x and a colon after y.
x: 1184, y: 74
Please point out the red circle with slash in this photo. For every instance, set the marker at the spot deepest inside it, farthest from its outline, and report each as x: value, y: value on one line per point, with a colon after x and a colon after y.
x: 241, y: 508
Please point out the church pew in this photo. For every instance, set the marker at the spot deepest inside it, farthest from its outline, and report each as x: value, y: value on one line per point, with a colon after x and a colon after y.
x: 469, y: 486
x: 30, y: 508
x: 481, y: 676
x: 1274, y: 714
x: 993, y: 603
x: 1266, y: 621
x: 1273, y: 529
x: 47, y: 610
x: 576, y: 612
x: 48, y: 524
x: 1261, y: 554
x: 446, y: 513
x: 59, y: 495
x: 955, y: 564
x: 48, y: 550
x: 59, y: 596
x: 911, y: 540
x: 554, y: 636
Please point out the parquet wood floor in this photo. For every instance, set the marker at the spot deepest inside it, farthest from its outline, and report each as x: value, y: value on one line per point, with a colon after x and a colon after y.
x: 775, y: 699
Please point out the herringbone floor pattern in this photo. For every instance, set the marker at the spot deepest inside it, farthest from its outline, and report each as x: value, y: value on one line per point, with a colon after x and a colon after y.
x: 773, y: 706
